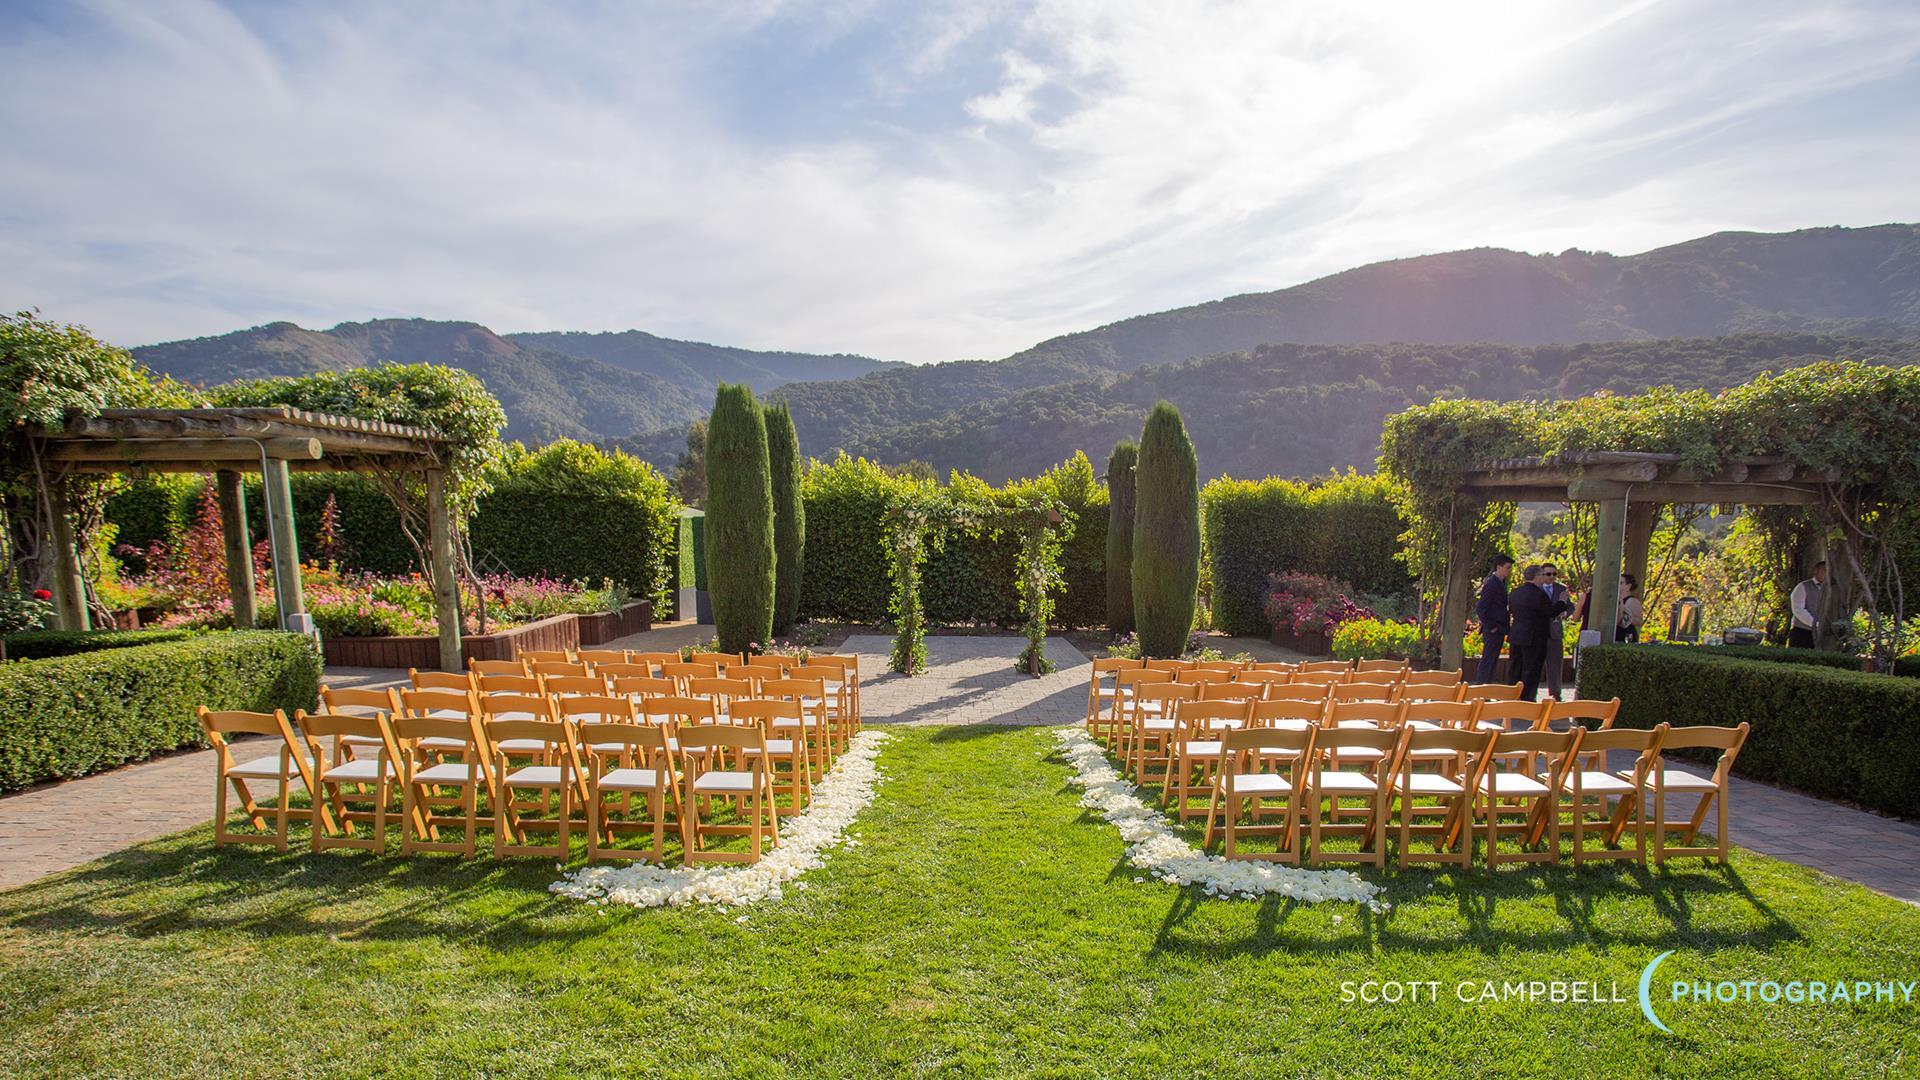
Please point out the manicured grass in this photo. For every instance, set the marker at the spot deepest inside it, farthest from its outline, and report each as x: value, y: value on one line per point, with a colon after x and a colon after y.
x: 985, y: 925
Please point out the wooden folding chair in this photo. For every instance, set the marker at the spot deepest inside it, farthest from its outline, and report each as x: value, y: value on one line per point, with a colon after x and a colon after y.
x: 1412, y: 691
x: 358, y: 703
x: 1126, y: 684
x: 1524, y: 790
x: 1283, y: 667
x: 1375, y: 751
x: 653, y: 660
x: 1102, y: 685
x: 1363, y: 691
x: 1321, y: 678
x: 783, y: 746
x: 1199, y: 676
x: 461, y: 706
x: 552, y: 668
x: 1150, y: 737
x: 1712, y: 790
x: 518, y: 685
x: 641, y: 686
x: 1393, y: 667
x: 549, y: 656
x: 439, y: 680
x: 1430, y: 678
x: 370, y: 778
x: 550, y: 771
x: 1322, y: 667
x: 1446, y: 793
x: 1300, y: 691
x: 595, y: 657
x: 1259, y: 765
x: 1167, y: 665
x: 1228, y: 667
x: 838, y: 697
x: 628, y: 759
x: 1490, y: 692
x: 721, y: 660
x: 1287, y: 713
x: 722, y: 690
x: 812, y: 727
x: 1586, y: 787
x: 1433, y: 715
x: 749, y: 790
x: 849, y: 665
x: 682, y: 673
x: 1590, y: 714
x: 482, y: 668
x: 1257, y: 677
x: 768, y: 666
x: 288, y: 764
x: 422, y: 777
x: 559, y: 686
x: 1198, y: 727
x: 1234, y: 691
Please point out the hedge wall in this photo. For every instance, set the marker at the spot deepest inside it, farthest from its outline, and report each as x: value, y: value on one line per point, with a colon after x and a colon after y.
x: 44, y: 644
x: 1908, y: 666
x: 74, y: 715
x: 1344, y: 527
x: 971, y: 579
x: 1842, y: 734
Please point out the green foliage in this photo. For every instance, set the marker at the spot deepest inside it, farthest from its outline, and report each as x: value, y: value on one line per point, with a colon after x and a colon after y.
x: 1345, y: 527
x: 1120, y: 467
x: 1377, y: 639
x: 73, y: 715
x: 20, y: 612
x: 739, y: 523
x: 917, y: 520
x: 1041, y: 525
x: 46, y: 644
x: 789, y: 516
x: 1166, y: 533
x: 578, y: 513
x: 1839, y: 734
x: 150, y: 509
x: 690, y: 467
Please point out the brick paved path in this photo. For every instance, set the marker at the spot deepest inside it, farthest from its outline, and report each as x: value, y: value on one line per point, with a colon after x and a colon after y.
x: 970, y: 681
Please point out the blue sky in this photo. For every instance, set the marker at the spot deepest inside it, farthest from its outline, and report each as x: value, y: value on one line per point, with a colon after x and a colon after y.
x: 919, y: 181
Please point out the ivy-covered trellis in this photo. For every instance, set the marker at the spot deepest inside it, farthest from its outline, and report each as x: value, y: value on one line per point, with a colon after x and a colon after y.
x: 1836, y: 443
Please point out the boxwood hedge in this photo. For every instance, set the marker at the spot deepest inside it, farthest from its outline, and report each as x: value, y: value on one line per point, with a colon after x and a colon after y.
x: 43, y: 644
x: 73, y: 715
x: 1842, y: 734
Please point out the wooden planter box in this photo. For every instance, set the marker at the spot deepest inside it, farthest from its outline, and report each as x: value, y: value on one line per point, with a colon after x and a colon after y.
x: 1470, y: 667
x: 557, y: 632
x: 1310, y: 644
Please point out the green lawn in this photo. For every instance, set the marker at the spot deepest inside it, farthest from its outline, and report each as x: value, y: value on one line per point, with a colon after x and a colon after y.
x: 985, y: 925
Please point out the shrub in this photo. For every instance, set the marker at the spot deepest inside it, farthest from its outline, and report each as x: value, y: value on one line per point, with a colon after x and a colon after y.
x: 1120, y: 467
x: 1377, y: 639
x: 1311, y: 604
x: 20, y: 613
x: 789, y: 516
x: 74, y: 715
x: 1166, y: 533
x: 739, y: 521
x: 45, y: 644
x: 1841, y: 734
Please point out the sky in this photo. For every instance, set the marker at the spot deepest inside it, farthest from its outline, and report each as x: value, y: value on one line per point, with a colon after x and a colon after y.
x: 916, y: 181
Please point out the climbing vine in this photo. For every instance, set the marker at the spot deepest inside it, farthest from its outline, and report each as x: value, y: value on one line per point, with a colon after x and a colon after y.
x: 917, y: 522
x: 1043, y: 525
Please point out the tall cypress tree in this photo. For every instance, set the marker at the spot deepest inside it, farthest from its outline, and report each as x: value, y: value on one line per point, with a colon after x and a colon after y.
x: 789, y: 515
x: 739, y: 525
x: 1166, y: 533
x: 1120, y: 468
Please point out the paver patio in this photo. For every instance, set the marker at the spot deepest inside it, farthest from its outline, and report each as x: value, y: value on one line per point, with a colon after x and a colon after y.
x: 970, y: 680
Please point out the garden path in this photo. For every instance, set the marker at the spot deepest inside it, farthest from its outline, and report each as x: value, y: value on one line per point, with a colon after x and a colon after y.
x: 970, y: 680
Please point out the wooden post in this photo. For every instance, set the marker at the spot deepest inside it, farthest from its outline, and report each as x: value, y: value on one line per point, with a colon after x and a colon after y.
x: 1641, y: 517
x: 69, y: 586
x: 287, y: 591
x: 1457, y: 593
x: 233, y: 528
x: 446, y: 593
x: 1610, y: 541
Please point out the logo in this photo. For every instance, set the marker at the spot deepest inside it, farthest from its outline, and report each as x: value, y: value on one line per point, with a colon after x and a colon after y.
x: 1794, y: 992
x: 1646, y: 994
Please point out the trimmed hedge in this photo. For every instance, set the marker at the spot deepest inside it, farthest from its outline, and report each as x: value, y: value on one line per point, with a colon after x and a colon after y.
x: 970, y: 580
x: 1842, y: 734
x: 1166, y: 534
x: 1343, y: 526
x: 1120, y: 466
x: 739, y: 520
x: 1905, y: 666
x: 45, y: 644
x: 74, y: 715
x: 789, y: 516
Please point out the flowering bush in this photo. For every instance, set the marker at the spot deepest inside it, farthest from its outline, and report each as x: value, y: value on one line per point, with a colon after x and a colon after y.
x: 1377, y: 639
x: 1127, y: 647
x: 1311, y: 604
x: 24, y: 612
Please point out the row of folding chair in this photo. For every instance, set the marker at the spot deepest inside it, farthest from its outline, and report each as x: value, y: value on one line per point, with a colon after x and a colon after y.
x: 679, y: 665
x: 1453, y: 786
x: 1113, y: 681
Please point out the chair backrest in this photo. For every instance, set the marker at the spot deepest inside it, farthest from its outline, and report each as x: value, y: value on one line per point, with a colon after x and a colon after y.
x: 218, y: 725
x: 722, y: 660
x: 830, y: 675
x: 1105, y: 664
x: 642, y: 686
x: 1287, y: 712
x: 1196, y: 716
x: 1283, y: 666
x: 479, y: 668
x: 1138, y: 677
x: 516, y: 706
x: 530, y: 656
x: 1168, y: 665
x: 1639, y: 740
x: 1431, y: 678
x: 762, y: 712
x: 1229, y: 666
x: 1600, y: 713
x: 1490, y: 692
x: 558, y: 667
x: 551, y: 734
x: 1325, y: 665
x: 1556, y: 746
x: 358, y: 702
x: 575, y: 685
x: 1332, y: 740
x: 312, y: 727
x: 596, y: 657
x: 510, y: 684
x: 1260, y: 749
x: 1381, y: 714
x: 422, y: 702
x: 677, y: 710
x: 409, y: 729
x: 649, y: 739
x: 721, y: 689
x: 848, y: 662
x: 634, y: 670
x: 1299, y: 691
x: 1202, y: 676
x: 1392, y: 666
x: 793, y: 688
x: 1430, y: 691
x: 681, y: 672
x: 1361, y: 691
x: 587, y: 708
x: 1512, y: 715
x: 654, y: 659
x: 1233, y: 691
x: 1166, y: 691
x: 767, y: 666
x: 439, y: 680
x: 1476, y: 747
x: 1375, y: 678
x: 1320, y: 678
x: 1708, y: 737
x: 1454, y: 714
x: 1262, y: 677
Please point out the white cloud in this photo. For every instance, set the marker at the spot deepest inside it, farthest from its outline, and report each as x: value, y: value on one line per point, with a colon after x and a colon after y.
x: 970, y: 179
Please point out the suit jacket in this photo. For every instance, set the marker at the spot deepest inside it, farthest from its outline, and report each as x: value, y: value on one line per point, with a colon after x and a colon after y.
x: 1492, y: 608
x: 1533, y: 612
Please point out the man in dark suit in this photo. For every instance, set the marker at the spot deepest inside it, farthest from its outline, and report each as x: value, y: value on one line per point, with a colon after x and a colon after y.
x: 1533, y: 612
x: 1492, y: 611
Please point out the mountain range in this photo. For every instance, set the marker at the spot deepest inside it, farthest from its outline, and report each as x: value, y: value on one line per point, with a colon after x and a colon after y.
x: 1488, y: 321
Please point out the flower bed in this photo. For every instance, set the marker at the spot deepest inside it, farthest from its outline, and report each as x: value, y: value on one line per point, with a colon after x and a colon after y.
x: 558, y: 632
x: 1306, y: 609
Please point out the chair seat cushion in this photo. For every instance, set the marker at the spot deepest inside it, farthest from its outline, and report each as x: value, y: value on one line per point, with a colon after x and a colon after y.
x: 361, y: 771
x: 1511, y: 783
x: 723, y: 782
x: 1595, y: 783
x: 1356, y: 753
x: 1423, y: 725
x: 1253, y: 784
x: 360, y: 740
x: 267, y: 768
x: 776, y: 747
x: 1202, y: 748
x: 1339, y: 780
x: 1424, y: 783
x: 441, y: 742
x: 631, y: 780
x: 452, y: 772
x: 534, y: 776
x: 522, y: 746
x: 1156, y: 725
x: 1675, y: 780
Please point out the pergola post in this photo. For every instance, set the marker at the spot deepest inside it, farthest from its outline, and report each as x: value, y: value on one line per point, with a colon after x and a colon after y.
x: 233, y: 529
x: 446, y: 594
x: 1456, y: 591
x: 69, y: 586
x: 1641, y: 517
x: 287, y: 591
x: 1610, y: 541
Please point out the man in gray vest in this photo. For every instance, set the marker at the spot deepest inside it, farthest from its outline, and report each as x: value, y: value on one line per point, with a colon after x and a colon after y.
x: 1809, y: 604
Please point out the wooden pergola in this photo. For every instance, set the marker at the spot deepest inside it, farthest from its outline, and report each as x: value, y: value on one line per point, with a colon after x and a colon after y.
x: 274, y: 441
x: 1630, y: 488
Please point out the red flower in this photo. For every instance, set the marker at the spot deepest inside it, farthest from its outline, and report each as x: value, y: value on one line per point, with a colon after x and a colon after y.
x: 42, y: 594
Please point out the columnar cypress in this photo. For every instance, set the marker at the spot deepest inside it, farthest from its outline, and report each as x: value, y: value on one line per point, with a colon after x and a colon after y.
x: 789, y: 515
x: 1166, y: 534
x: 1120, y: 468
x: 739, y: 524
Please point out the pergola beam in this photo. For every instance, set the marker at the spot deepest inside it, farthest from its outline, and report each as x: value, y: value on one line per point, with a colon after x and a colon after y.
x: 1717, y: 494
x: 139, y: 451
